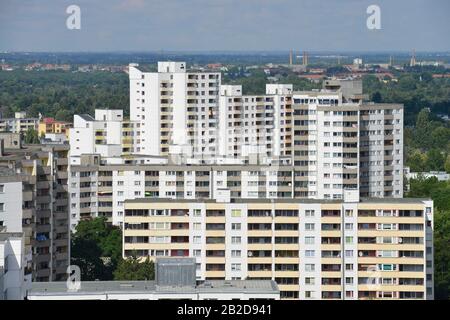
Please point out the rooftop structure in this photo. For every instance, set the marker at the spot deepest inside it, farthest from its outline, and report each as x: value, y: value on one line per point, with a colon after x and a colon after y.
x: 175, y: 279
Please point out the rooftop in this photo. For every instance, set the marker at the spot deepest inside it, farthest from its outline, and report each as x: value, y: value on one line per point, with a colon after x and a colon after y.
x: 10, y: 235
x: 105, y: 287
x: 86, y: 117
x: 290, y: 200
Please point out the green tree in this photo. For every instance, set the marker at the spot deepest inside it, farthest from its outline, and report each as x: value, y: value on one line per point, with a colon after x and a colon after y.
x: 31, y: 136
x: 96, y: 248
x: 422, y: 137
x: 435, y: 160
x: 63, y: 115
x: 86, y: 253
x: 439, y: 191
x: 440, y: 137
x: 133, y: 269
x: 442, y: 254
x: 376, y: 97
x: 447, y: 164
x: 416, y: 162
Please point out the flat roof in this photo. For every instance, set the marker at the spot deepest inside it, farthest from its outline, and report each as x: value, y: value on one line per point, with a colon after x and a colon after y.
x: 10, y: 235
x: 289, y: 200
x: 86, y: 117
x: 9, y: 175
x: 142, y: 287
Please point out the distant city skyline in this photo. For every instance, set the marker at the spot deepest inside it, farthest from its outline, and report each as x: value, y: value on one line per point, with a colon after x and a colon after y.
x: 225, y: 25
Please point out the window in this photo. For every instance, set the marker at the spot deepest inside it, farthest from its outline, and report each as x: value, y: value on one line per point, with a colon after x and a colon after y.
x: 309, y: 253
x: 309, y: 226
x: 309, y: 280
x: 309, y: 294
x: 235, y: 213
x: 235, y: 253
x: 310, y: 267
x: 197, y: 212
x: 235, y: 240
x: 197, y: 226
x: 235, y: 226
x: 349, y: 240
x: 349, y: 267
x: 197, y: 253
x: 387, y: 267
x: 309, y: 240
x: 309, y: 213
x: 2, y: 188
x: 235, y: 267
x: 349, y: 226
x: 349, y: 253
x: 197, y: 239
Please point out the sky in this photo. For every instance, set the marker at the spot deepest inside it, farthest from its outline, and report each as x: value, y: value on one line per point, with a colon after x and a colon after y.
x: 224, y: 25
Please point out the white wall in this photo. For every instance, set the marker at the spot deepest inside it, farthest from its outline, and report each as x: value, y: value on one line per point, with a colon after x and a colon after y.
x: 12, y: 202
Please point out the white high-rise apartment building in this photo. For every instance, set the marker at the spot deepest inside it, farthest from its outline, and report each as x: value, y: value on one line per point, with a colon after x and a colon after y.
x: 102, y: 134
x: 316, y: 143
x: 175, y: 109
x: 255, y: 127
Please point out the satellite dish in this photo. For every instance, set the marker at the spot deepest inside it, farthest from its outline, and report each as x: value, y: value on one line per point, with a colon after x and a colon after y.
x: 400, y: 240
x: 250, y: 253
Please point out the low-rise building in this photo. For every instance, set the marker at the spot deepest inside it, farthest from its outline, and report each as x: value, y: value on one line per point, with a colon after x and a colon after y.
x: 19, y: 124
x: 175, y: 279
x: 52, y: 126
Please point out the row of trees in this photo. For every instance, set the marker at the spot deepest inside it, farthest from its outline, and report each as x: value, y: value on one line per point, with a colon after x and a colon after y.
x: 96, y: 247
x: 254, y: 81
x: 439, y: 191
x: 62, y: 94
x: 427, y: 144
x: 414, y: 90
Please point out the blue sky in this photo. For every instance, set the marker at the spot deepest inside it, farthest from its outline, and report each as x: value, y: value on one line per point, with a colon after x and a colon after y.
x: 207, y: 25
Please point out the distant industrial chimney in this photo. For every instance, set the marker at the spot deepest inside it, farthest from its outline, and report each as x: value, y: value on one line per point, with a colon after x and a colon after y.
x: 305, y: 58
x: 290, y: 57
x: 413, y: 59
